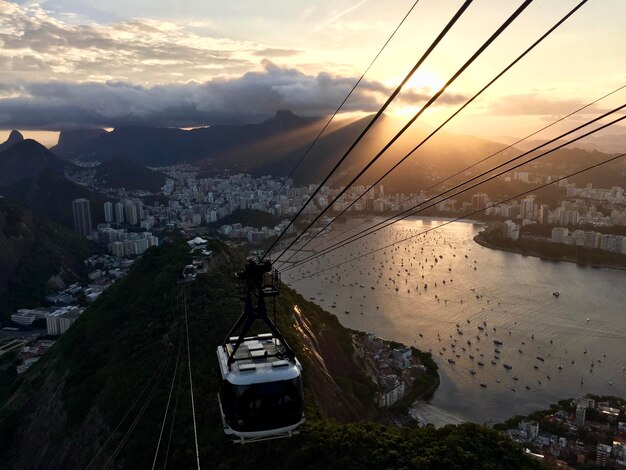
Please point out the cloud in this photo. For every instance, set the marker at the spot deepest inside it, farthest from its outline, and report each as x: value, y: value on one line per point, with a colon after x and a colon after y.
x: 253, y: 96
x: 276, y: 52
x: 35, y: 45
x: 57, y: 74
x: 534, y: 105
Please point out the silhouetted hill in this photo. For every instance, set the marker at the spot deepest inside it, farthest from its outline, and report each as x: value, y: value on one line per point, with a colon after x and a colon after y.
x: 35, y: 253
x: 51, y: 194
x: 120, y: 172
x: 26, y: 159
x: 14, y: 138
x: 99, y: 396
x: 161, y: 146
x: 70, y: 141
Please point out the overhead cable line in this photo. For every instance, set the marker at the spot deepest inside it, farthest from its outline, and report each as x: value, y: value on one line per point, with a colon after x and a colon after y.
x: 482, y: 160
x: 139, y: 415
x: 427, y: 138
x: 193, y: 406
x: 312, y: 144
x: 169, y: 439
x: 378, y: 114
x: 132, y: 407
x: 609, y: 160
x: 413, y: 210
x: 169, y: 398
x: 476, y: 54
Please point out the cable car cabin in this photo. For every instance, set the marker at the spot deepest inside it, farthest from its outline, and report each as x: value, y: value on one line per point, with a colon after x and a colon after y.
x: 261, y: 395
x: 189, y: 273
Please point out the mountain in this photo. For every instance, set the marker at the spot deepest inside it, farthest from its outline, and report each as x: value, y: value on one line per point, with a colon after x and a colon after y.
x: 14, y: 138
x: 25, y: 159
x: 70, y: 141
x: 35, y: 253
x: 277, y: 144
x: 120, y: 172
x: 98, y: 397
x: 152, y: 146
x: 50, y: 194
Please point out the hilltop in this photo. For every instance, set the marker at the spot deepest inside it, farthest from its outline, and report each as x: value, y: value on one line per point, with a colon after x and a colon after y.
x: 124, y: 349
x: 25, y: 159
x: 14, y: 138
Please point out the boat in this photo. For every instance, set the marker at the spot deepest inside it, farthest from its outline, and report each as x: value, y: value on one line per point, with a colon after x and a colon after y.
x: 556, y: 294
x: 508, y: 366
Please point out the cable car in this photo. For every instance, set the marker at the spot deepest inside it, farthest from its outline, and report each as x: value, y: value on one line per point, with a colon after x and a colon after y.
x: 260, y: 394
x: 189, y: 273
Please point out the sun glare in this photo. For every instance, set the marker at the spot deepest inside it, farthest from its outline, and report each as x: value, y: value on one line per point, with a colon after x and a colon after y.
x: 424, y: 79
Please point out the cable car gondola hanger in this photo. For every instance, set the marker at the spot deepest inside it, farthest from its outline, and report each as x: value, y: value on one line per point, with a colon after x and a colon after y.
x: 261, y: 395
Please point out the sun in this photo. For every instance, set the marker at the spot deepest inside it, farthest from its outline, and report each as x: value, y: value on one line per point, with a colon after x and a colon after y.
x: 425, y: 79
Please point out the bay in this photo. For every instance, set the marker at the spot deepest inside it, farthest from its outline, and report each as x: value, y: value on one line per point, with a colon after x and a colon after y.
x: 441, y: 291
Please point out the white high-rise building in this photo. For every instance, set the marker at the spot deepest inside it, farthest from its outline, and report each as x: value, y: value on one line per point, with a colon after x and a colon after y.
x: 108, y: 212
x: 119, y: 213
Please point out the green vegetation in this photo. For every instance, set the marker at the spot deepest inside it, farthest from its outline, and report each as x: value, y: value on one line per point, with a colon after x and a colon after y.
x: 74, y: 397
x: 493, y: 238
x: 32, y: 251
x: 424, y: 386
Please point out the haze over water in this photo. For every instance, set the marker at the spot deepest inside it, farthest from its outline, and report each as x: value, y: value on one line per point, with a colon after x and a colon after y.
x: 509, y: 295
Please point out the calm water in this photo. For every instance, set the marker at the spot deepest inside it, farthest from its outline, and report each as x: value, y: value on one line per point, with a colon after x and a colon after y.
x: 508, y: 295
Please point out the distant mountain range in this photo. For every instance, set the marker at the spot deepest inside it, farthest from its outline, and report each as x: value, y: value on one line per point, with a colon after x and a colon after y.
x: 164, y: 146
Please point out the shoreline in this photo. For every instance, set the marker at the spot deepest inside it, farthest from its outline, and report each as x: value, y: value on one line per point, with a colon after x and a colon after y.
x: 482, y: 241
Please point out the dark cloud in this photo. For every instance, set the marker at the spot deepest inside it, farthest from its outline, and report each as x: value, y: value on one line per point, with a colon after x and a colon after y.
x: 251, y: 97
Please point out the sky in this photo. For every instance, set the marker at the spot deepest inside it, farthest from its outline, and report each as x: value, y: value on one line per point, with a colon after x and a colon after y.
x: 83, y: 63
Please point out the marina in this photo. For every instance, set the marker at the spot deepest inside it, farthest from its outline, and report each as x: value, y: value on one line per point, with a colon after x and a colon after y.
x: 429, y: 291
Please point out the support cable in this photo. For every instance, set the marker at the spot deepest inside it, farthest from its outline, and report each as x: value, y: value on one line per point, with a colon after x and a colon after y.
x: 467, y: 103
x: 169, y: 398
x: 193, y: 406
x: 413, y: 210
x: 480, y: 50
x: 380, y: 112
x: 609, y: 160
x: 482, y: 160
x: 312, y: 144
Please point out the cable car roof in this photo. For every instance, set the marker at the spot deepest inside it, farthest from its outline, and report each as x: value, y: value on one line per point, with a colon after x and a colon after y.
x: 256, y: 362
